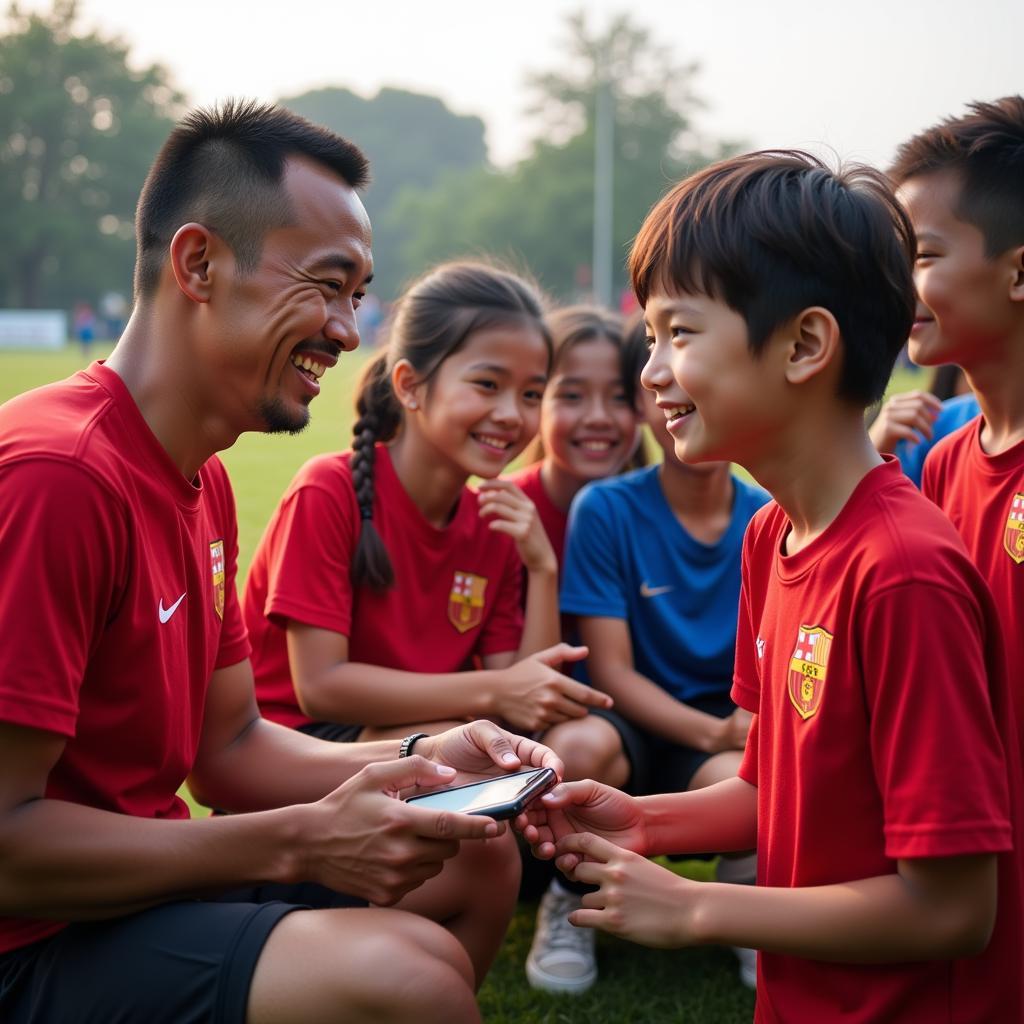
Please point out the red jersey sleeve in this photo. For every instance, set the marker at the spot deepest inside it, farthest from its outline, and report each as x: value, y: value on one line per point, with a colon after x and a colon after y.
x: 503, y: 630
x: 748, y: 766
x: 62, y: 547
x: 309, y: 553
x: 937, y: 752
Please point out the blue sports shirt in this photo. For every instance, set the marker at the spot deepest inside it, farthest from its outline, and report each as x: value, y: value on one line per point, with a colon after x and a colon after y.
x: 628, y: 557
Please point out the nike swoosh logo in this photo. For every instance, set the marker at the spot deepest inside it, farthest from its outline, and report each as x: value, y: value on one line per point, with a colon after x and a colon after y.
x: 166, y: 613
x: 646, y: 591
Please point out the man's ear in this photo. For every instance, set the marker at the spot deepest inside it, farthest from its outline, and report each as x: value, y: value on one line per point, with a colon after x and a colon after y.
x: 814, y: 344
x: 192, y: 253
x: 1017, y: 281
x: 406, y: 384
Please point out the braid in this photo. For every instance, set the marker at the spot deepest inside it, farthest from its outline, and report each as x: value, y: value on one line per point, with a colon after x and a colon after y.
x: 379, y: 416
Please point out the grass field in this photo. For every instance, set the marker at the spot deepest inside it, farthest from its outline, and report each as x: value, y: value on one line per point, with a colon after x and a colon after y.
x: 652, y: 986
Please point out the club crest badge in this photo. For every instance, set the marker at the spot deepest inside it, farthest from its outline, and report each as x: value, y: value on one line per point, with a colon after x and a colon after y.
x: 466, y: 601
x: 807, y: 670
x: 217, y: 576
x: 1013, y: 534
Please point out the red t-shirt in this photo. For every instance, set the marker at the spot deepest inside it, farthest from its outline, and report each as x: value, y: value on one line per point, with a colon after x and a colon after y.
x: 553, y: 519
x: 118, y: 598
x: 983, y: 495
x: 456, y: 595
x: 873, y: 661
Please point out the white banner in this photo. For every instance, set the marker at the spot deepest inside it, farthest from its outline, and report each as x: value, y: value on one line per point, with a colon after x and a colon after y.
x: 33, y: 328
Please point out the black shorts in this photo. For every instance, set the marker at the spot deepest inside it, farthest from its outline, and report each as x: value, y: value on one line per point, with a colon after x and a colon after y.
x: 335, y: 732
x: 657, y: 765
x: 189, y: 962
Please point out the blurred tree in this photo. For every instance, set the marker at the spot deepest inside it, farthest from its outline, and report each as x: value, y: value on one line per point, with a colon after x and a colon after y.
x: 412, y: 141
x: 540, y: 213
x: 78, y: 130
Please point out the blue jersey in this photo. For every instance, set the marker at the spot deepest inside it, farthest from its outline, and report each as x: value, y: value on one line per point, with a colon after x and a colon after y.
x: 954, y: 414
x: 628, y: 557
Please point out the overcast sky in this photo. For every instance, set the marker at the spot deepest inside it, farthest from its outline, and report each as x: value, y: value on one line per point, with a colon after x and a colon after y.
x: 854, y: 76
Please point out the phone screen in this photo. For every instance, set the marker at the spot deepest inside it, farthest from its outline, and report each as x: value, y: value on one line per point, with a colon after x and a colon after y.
x: 490, y: 793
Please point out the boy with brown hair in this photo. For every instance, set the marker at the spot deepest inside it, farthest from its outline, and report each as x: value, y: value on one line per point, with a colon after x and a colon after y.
x: 777, y: 295
x: 962, y: 182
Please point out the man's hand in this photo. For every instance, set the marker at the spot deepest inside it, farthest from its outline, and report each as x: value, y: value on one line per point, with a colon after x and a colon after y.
x: 532, y: 694
x: 582, y: 807
x: 365, y: 840
x: 477, y: 749
x: 636, y: 899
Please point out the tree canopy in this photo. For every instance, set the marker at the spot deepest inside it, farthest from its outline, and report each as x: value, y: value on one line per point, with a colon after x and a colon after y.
x: 412, y: 141
x: 540, y: 213
x: 78, y: 130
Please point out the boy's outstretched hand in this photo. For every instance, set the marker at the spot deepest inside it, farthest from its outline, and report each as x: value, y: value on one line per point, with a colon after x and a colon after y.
x: 575, y: 807
x: 636, y: 899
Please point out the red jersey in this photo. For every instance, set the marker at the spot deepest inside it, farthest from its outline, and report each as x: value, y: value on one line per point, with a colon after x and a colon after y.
x: 456, y: 596
x: 118, y: 598
x: 873, y: 661
x: 983, y: 495
x: 553, y: 519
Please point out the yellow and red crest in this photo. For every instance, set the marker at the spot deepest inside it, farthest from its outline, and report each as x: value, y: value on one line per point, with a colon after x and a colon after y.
x: 466, y: 600
x: 217, y: 575
x: 807, y: 669
x: 1013, y: 535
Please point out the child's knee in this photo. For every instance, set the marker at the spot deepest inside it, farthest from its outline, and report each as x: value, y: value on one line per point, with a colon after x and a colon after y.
x: 590, y: 747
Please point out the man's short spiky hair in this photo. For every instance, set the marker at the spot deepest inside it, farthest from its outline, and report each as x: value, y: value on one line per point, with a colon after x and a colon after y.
x: 773, y: 233
x: 223, y: 167
x: 985, y: 149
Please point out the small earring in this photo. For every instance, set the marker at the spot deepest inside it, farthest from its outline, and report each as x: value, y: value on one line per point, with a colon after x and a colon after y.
x: 413, y: 404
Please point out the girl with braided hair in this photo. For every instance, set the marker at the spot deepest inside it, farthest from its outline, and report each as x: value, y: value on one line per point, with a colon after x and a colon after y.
x: 386, y: 594
x: 385, y: 597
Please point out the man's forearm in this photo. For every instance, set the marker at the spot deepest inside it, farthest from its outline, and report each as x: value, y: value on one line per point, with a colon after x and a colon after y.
x: 270, y: 765
x: 68, y: 862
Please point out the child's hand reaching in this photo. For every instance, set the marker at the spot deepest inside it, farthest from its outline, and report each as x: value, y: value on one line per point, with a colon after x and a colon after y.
x: 513, y: 513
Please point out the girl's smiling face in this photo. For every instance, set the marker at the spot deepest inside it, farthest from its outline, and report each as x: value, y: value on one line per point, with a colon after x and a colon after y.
x: 588, y: 424
x: 482, y: 406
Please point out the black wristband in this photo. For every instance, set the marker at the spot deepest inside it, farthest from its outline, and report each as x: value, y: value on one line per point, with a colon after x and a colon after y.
x: 405, y: 747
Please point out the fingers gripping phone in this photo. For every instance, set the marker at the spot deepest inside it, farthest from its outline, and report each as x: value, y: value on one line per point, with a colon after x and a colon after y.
x: 502, y: 797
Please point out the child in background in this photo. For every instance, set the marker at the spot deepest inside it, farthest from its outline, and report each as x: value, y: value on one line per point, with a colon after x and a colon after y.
x: 588, y: 423
x: 911, y: 423
x: 963, y: 185
x: 652, y: 555
x: 778, y: 295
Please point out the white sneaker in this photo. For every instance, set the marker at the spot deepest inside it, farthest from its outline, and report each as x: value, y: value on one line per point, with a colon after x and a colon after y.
x: 748, y: 965
x: 562, y: 956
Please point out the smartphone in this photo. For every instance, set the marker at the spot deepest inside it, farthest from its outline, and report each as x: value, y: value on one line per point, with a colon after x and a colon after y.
x: 502, y: 797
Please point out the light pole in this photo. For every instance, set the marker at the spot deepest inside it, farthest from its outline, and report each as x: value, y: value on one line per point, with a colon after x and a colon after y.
x: 604, y: 176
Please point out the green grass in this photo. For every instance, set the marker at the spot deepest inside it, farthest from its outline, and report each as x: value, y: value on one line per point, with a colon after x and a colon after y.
x: 699, y: 986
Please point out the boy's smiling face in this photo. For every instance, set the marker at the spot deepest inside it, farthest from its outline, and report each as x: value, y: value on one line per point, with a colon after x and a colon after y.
x: 964, y: 311
x: 712, y: 389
